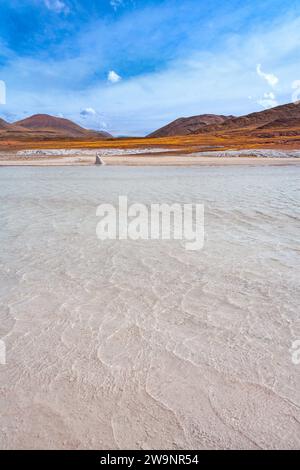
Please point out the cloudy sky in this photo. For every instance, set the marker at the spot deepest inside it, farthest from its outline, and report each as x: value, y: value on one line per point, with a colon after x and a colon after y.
x: 131, y: 66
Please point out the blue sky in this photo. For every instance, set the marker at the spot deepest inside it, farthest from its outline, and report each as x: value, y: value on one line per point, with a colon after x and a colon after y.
x: 130, y: 66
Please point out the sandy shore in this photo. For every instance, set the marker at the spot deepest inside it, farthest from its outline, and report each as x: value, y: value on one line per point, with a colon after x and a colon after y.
x: 147, y: 160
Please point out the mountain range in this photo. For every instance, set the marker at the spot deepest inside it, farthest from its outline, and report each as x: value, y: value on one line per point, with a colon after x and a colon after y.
x: 276, y: 126
x: 278, y: 119
x: 189, y: 125
x: 46, y: 127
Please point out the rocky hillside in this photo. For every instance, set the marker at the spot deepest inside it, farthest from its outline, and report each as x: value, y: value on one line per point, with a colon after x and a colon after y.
x: 189, y: 125
x: 284, y: 118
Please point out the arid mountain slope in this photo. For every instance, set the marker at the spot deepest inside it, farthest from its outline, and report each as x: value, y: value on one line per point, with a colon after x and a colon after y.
x: 189, y: 125
x: 6, y: 127
x: 45, y: 128
x: 281, y: 118
x: 276, y: 128
x: 287, y: 115
x: 59, y: 127
x: 3, y: 124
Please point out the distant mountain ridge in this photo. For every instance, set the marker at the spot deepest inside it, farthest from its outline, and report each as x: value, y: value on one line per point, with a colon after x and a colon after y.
x: 283, y: 116
x: 281, y: 123
x: 189, y: 125
x: 45, y: 126
x: 4, y: 124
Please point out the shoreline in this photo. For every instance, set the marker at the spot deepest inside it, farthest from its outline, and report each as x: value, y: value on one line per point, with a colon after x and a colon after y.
x: 151, y: 160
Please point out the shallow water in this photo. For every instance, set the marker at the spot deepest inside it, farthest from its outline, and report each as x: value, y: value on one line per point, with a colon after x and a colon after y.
x: 143, y: 344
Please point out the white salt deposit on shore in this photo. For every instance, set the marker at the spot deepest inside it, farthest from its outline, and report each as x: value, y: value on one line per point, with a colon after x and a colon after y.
x: 263, y: 153
x: 91, y: 152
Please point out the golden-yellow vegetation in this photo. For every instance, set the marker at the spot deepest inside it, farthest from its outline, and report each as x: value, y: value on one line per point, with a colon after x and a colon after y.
x: 279, y: 138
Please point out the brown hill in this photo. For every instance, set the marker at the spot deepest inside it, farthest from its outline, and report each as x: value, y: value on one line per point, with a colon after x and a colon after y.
x: 8, y: 128
x: 3, y: 124
x: 283, y: 122
x: 283, y: 117
x: 189, y: 125
x: 50, y: 126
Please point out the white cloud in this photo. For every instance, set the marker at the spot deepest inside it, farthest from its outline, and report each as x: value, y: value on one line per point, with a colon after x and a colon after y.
x: 88, y: 112
x: 269, y: 77
x: 268, y: 100
x: 58, y: 6
x: 269, y: 95
x: 267, y: 103
x: 296, y: 92
x: 2, y: 92
x: 113, y: 77
x: 196, y: 83
x: 115, y: 4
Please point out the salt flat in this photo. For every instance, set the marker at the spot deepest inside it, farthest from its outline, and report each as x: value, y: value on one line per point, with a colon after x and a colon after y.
x: 143, y: 344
